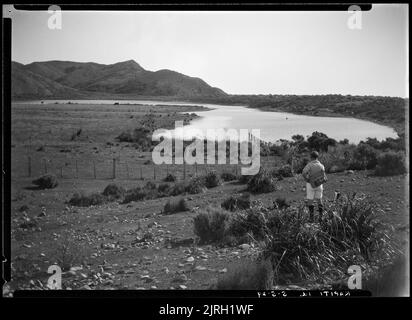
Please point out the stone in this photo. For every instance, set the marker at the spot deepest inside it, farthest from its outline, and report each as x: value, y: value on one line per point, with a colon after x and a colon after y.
x: 224, y: 270
x: 190, y: 259
x: 86, y: 287
x: 244, y: 246
x: 200, y: 268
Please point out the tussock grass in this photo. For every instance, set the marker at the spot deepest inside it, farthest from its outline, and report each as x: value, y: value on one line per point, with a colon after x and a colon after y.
x: 47, y: 181
x: 175, y: 206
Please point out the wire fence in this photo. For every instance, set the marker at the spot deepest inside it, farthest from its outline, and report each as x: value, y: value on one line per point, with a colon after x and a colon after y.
x: 115, y: 168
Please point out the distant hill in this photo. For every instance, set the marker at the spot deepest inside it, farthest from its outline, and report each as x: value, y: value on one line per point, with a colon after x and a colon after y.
x: 66, y: 79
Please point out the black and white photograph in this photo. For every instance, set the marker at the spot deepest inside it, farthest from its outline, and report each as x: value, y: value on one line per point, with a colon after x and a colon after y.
x: 206, y: 150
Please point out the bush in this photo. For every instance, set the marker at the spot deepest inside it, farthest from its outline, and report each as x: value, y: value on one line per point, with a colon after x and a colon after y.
x: 248, y: 275
x: 170, y: 178
x: 135, y: 194
x: 195, y: 186
x: 252, y: 222
x: 351, y: 231
x: 227, y: 176
x: 244, y: 179
x: 281, y: 203
x: 113, y: 191
x: 237, y: 203
x: 390, y: 164
x: 285, y: 171
x: 174, y: 207
x: 212, y: 179
x: 178, y: 189
x: 300, y: 163
x: 83, y: 200
x: 139, y: 136
x: 261, y: 183
x: 210, y: 224
x: 68, y: 253
x: 163, y: 190
x: 47, y: 181
x: 364, y: 157
x: 282, y: 172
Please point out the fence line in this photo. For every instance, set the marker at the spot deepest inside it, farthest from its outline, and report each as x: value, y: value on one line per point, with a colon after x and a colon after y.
x: 116, y: 168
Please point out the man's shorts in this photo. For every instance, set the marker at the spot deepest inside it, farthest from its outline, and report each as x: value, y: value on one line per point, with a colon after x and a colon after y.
x: 314, y: 193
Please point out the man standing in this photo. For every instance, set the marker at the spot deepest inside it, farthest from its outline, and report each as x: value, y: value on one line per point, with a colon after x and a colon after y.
x: 315, y: 177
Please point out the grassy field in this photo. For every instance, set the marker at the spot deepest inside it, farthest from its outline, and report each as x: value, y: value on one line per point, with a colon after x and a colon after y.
x: 102, y: 242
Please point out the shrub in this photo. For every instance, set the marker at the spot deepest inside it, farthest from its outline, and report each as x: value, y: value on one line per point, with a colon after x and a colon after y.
x: 248, y: 275
x: 210, y: 224
x: 237, y: 203
x: 47, y: 181
x: 228, y: 176
x: 281, y: 203
x: 135, y: 194
x: 351, y: 232
x: 113, y: 191
x: 163, y: 189
x: 174, y: 207
x: 300, y: 163
x: 195, y: 186
x: 68, y: 253
x: 261, y: 183
x: 320, y: 141
x: 212, y: 179
x: 252, y: 222
x: 83, y: 200
x: 364, y: 157
x: 244, y: 179
x: 170, y: 178
x: 139, y: 136
x: 285, y: 171
x: 390, y: 163
x: 178, y: 189
x: 282, y: 172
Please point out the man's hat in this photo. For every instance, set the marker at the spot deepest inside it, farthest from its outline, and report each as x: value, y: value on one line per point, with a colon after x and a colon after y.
x: 314, y: 155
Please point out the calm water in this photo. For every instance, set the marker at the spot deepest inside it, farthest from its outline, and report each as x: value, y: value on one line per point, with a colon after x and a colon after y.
x: 273, y: 125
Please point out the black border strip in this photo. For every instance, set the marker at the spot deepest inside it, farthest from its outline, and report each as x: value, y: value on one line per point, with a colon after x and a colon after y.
x: 6, y: 150
x: 200, y: 294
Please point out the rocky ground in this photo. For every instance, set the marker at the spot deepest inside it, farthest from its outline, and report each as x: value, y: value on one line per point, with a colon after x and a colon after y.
x: 135, y: 246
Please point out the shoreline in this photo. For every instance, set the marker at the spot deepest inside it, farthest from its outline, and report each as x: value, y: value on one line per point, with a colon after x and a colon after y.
x: 399, y: 129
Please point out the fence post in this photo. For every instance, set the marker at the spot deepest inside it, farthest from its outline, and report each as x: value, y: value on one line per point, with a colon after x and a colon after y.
x: 77, y: 170
x: 154, y: 172
x: 114, y: 168
x: 29, y: 166
x: 184, y: 169
x: 94, y: 169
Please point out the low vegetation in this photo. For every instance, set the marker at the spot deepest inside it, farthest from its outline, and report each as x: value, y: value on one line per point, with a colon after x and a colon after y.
x: 234, y: 203
x: 248, y: 275
x: 350, y: 232
x: 175, y: 206
x: 210, y: 224
x: 390, y: 163
x: 87, y: 200
x: 262, y: 182
x: 47, y: 181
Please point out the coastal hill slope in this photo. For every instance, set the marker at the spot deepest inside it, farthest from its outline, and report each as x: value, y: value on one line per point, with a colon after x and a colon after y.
x: 56, y: 79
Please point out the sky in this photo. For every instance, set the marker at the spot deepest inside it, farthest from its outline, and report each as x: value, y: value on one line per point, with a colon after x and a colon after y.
x: 256, y: 52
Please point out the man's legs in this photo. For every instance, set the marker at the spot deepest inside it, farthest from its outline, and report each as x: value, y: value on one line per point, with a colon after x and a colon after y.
x: 318, y: 196
x: 309, y: 201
